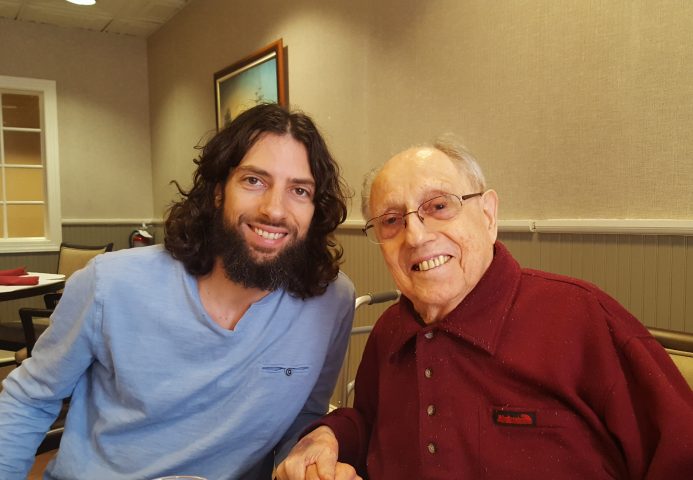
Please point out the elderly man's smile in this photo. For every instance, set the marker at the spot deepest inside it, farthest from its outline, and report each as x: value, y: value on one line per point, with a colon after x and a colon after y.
x: 431, y: 263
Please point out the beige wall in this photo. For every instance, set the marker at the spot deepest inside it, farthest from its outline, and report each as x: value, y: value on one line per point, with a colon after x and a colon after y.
x: 103, y: 114
x: 575, y: 109
x: 327, y: 67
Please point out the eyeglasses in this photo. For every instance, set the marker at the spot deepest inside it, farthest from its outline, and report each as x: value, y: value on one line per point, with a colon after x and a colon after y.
x: 437, y: 209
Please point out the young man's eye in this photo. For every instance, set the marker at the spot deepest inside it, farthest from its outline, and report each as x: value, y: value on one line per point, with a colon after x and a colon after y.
x: 302, y: 192
x: 253, y: 181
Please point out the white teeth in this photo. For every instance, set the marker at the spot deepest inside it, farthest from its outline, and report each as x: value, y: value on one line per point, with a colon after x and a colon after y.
x: 433, y: 262
x: 268, y: 235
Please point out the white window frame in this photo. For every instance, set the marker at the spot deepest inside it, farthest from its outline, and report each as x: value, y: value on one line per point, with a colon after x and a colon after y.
x: 50, y: 159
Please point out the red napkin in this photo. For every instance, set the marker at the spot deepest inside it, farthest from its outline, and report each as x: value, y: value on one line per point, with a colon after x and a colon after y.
x: 17, y: 280
x: 13, y: 272
x: 14, y: 277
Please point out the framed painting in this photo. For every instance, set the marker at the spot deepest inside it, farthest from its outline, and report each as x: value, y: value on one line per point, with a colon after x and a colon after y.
x: 257, y: 78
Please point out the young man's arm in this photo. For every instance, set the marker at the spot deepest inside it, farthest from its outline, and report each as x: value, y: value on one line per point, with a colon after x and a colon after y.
x: 318, y: 401
x: 32, y: 394
x: 342, y: 436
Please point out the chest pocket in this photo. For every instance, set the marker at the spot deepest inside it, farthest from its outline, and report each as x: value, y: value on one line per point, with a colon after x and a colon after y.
x: 284, y: 370
x: 530, y: 443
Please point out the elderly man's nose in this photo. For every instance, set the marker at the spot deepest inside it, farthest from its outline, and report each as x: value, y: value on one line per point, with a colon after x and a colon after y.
x: 415, y: 229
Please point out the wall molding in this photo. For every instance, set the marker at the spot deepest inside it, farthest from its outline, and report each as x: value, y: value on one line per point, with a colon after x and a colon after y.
x: 111, y: 221
x: 614, y: 226
x: 554, y: 225
x: 583, y: 226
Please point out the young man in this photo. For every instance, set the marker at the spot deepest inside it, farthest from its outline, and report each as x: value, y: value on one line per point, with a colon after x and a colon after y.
x: 209, y: 355
x: 486, y: 370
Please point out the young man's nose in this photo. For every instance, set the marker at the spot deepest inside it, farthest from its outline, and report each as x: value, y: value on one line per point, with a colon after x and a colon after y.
x: 273, y: 204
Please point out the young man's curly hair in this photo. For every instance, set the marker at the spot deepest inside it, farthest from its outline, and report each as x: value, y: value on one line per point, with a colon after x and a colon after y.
x: 189, y: 222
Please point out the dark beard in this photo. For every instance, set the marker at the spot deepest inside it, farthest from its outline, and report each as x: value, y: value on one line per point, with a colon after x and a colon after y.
x: 239, y: 265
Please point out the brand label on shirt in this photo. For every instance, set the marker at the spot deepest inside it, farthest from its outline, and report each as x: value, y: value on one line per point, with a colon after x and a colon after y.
x: 514, y: 418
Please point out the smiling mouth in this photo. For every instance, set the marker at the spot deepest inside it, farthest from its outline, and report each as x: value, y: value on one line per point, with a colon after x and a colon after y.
x: 434, y: 262
x: 269, y: 235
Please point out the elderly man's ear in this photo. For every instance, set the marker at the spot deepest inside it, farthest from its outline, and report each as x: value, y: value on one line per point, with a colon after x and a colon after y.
x: 490, y: 207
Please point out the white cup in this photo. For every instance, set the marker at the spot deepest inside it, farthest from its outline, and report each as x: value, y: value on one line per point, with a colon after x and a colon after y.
x: 180, y: 477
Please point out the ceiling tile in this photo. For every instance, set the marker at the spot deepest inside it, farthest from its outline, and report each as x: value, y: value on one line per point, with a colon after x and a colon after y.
x: 138, y: 28
x: 129, y: 17
x: 9, y: 8
x: 64, y: 17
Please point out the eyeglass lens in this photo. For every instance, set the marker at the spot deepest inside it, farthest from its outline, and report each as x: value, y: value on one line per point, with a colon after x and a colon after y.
x: 441, y: 208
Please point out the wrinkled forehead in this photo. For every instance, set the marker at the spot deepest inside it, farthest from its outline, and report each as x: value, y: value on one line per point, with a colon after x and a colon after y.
x: 414, y: 176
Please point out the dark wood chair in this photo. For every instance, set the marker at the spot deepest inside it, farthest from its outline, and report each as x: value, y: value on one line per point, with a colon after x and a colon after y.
x: 31, y: 332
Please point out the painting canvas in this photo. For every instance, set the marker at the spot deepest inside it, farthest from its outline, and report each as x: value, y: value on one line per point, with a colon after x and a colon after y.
x: 256, y: 79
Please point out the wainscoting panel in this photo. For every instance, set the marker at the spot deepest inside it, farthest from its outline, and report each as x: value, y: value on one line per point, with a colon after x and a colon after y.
x: 650, y: 275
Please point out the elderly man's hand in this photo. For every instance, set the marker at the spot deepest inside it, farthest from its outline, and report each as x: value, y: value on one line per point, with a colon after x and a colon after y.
x: 314, y: 457
x: 343, y: 471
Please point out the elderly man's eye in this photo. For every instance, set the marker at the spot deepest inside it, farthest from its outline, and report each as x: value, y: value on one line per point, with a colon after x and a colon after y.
x: 436, y: 205
x: 389, y: 220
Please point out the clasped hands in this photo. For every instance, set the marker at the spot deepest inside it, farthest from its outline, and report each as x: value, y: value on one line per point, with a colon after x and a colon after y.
x: 314, y: 457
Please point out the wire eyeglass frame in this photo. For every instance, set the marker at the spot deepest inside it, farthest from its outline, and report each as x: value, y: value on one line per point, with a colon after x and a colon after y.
x: 440, y: 208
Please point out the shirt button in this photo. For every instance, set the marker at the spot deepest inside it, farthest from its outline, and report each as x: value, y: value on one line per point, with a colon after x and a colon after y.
x: 432, y: 448
x: 428, y: 373
x: 431, y: 410
x: 428, y: 335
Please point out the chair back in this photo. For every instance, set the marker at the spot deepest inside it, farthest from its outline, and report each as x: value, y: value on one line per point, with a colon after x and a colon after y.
x: 679, y: 346
x: 27, y: 316
x: 74, y: 257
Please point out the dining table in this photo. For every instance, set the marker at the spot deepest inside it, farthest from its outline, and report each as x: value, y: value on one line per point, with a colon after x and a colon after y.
x: 47, y: 283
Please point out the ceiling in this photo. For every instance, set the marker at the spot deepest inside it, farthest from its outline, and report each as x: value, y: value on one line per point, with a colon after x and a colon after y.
x: 126, y: 17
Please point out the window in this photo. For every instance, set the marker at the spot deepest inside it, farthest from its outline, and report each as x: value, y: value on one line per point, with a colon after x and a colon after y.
x: 29, y: 171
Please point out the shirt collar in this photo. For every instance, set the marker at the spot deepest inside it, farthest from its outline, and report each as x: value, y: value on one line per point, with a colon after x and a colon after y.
x: 479, y: 318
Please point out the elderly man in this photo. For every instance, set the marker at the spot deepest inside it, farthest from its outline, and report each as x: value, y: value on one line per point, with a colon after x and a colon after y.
x: 485, y: 370
x: 210, y: 355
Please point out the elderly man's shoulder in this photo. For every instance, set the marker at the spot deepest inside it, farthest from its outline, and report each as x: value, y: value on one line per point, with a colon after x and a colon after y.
x: 546, y: 283
x: 575, y: 298
x: 549, y: 280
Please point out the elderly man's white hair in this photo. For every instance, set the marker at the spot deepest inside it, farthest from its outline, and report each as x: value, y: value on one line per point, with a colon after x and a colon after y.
x: 450, y: 145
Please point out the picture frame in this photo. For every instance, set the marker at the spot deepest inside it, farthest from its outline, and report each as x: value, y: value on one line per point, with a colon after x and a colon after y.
x: 257, y: 78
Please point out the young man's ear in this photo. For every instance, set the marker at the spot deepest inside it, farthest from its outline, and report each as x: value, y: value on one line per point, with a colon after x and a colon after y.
x: 218, y: 196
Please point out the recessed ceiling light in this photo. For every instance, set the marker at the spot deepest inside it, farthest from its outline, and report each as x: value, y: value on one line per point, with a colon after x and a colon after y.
x: 82, y: 2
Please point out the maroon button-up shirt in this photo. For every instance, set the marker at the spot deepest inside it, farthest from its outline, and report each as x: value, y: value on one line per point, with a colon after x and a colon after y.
x: 532, y: 376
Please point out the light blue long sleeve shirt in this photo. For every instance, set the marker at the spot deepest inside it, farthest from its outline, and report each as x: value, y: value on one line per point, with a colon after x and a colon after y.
x: 158, y: 387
